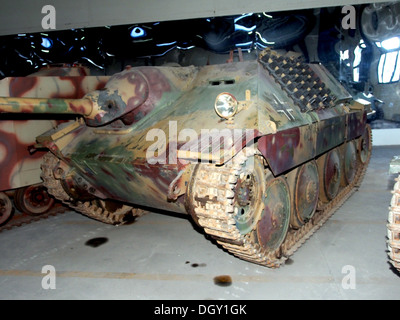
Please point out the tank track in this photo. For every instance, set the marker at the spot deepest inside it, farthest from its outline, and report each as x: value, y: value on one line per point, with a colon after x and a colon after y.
x: 393, y: 227
x: 216, y: 215
x: 18, y: 220
x: 298, y: 80
x: 92, y: 209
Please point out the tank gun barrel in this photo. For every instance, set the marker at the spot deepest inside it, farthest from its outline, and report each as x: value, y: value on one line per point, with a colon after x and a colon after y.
x: 123, y: 93
x: 86, y: 107
x: 46, y: 106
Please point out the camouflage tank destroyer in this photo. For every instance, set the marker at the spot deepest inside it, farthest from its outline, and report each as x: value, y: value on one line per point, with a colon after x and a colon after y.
x: 393, y: 226
x: 20, y: 168
x: 260, y: 153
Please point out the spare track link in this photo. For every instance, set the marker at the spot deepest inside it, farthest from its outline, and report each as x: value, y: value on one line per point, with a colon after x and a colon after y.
x: 216, y: 215
x: 393, y: 227
x: 89, y: 208
x: 299, y: 81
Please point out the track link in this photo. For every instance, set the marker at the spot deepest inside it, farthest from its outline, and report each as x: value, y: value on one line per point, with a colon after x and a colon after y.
x: 298, y: 80
x: 213, y: 195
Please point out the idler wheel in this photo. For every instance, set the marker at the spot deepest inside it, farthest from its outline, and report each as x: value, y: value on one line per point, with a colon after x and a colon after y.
x: 304, y: 184
x: 330, y: 171
x: 274, y: 222
x: 33, y: 200
x: 6, y: 207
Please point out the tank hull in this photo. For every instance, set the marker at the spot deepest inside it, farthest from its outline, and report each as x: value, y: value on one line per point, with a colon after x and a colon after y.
x: 259, y: 153
x: 141, y: 163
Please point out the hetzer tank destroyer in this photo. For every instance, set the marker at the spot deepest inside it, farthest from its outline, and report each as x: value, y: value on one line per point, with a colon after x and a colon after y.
x: 259, y: 153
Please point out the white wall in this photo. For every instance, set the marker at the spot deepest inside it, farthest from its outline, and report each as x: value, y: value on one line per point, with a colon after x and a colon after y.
x: 22, y: 16
x: 386, y: 137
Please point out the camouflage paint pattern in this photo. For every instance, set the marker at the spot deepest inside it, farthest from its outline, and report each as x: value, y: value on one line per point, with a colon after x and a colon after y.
x: 19, y: 167
x: 283, y: 105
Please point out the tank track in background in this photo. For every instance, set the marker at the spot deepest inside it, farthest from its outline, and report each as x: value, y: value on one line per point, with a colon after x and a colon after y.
x: 92, y: 209
x: 298, y: 80
x: 393, y: 227
x: 216, y: 216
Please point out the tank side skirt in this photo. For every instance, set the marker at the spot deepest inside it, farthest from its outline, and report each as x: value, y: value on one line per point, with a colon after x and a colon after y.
x: 291, y: 147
